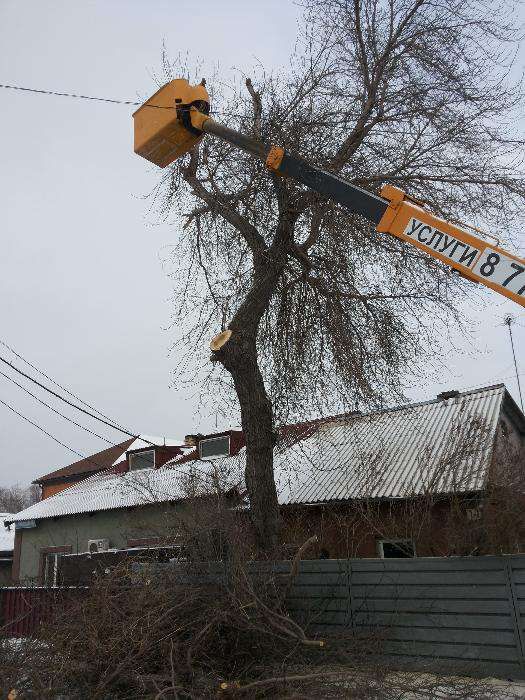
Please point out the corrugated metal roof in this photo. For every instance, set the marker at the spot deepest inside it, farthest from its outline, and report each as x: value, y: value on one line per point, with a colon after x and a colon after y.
x: 439, y: 446
x: 108, y: 491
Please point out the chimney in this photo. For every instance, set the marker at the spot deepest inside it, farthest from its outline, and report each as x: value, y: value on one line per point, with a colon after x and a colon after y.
x: 448, y: 395
x: 192, y: 440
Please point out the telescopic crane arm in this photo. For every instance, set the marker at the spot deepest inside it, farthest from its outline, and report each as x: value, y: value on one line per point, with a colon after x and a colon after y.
x: 163, y: 134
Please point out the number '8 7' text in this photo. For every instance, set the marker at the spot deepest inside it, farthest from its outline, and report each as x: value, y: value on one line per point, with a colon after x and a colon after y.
x: 500, y: 269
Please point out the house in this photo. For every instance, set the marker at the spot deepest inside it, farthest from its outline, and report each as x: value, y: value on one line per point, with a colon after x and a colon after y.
x: 127, y: 506
x: 63, y: 478
x: 7, y: 541
x: 436, y: 478
x: 421, y: 479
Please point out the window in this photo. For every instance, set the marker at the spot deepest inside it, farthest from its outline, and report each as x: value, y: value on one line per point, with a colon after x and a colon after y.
x: 142, y: 460
x: 214, y: 447
x: 396, y: 549
x: 473, y: 513
x: 50, y: 564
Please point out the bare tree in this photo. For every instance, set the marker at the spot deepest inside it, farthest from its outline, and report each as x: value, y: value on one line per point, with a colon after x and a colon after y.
x: 15, y: 498
x: 324, y: 311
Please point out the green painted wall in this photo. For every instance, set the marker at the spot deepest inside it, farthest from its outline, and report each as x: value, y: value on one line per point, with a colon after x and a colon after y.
x: 116, y: 525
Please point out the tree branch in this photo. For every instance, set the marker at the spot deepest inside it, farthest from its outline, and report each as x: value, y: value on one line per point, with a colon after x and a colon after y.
x: 250, y: 234
x: 257, y: 108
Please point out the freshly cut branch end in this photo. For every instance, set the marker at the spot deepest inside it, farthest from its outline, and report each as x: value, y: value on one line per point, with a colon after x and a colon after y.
x: 220, y: 340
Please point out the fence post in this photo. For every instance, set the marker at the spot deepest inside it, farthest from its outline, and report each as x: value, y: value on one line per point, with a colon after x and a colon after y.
x: 515, y: 610
x: 350, y: 598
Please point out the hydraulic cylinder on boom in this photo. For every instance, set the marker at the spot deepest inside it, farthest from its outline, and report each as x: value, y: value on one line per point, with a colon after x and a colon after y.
x: 176, y: 117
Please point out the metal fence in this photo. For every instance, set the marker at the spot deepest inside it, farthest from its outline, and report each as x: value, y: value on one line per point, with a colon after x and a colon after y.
x: 456, y: 614
x: 23, y: 609
x: 461, y: 613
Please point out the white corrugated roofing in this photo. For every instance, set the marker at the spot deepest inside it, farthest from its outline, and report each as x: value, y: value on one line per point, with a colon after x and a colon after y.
x: 107, y: 491
x: 7, y: 537
x: 439, y: 446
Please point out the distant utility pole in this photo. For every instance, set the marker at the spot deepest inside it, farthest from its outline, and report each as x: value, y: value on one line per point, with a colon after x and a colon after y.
x: 508, y: 321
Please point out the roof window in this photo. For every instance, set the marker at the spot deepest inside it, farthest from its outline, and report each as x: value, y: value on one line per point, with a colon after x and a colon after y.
x: 141, y: 460
x: 214, y: 447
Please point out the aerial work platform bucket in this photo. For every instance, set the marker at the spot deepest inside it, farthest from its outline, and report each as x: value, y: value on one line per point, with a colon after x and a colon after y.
x: 162, y: 125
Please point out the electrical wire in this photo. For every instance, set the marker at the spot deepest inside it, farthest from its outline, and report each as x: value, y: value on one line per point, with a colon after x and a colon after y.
x: 78, y: 97
x: 70, y: 403
x: 78, y: 408
x: 112, y: 424
x: 96, y: 99
x: 55, y: 439
x: 39, y: 427
x: 51, y: 408
x: 70, y: 393
x: 85, y: 457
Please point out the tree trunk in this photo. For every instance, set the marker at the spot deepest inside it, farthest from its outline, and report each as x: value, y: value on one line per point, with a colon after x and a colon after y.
x: 239, y: 357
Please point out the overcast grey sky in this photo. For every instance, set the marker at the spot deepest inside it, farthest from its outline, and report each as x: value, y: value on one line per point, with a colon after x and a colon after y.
x: 83, y: 293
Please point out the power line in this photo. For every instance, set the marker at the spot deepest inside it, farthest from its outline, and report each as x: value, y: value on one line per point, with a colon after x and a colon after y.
x: 70, y: 403
x: 95, y: 99
x: 39, y: 427
x: 112, y: 423
x: 78, y: 408
x: 70, y: 393
x: 51, y: 408
x: 45, y: 432
x: 79, y: 454
x: 78, y: 97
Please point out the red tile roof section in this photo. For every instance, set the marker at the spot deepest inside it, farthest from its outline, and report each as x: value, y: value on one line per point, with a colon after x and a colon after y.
x: 94, y: 463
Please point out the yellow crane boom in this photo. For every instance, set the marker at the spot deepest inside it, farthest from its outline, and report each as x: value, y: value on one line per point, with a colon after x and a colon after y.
x: 176, y: 117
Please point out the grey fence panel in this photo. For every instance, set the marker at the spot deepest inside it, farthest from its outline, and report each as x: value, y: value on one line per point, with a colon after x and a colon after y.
x: 320, y: 596
x: 455, y: 613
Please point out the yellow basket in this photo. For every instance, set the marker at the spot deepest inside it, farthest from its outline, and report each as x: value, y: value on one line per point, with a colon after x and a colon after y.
x: 160, y: 136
